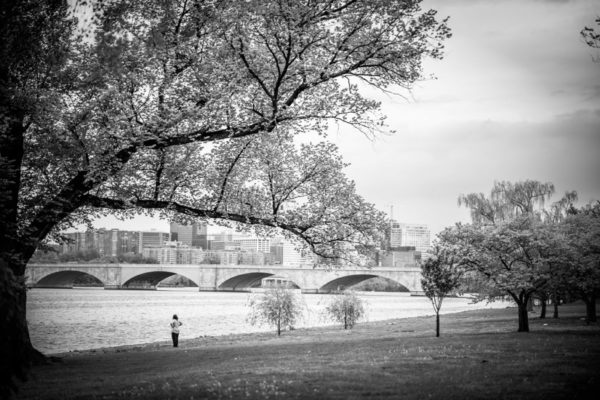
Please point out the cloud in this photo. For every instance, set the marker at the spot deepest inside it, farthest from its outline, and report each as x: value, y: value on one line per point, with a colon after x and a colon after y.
x: 422, y: 172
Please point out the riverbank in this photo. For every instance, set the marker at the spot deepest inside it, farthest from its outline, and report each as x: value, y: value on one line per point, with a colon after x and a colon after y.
x: 479, y: 355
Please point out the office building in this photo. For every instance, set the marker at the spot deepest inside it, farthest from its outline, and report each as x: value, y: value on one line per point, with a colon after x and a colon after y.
x: 194, y: 235
x: 400, y: 257
x: 253, y: 244
x: 112, y: 242
x: 174, y: 253
x: 296, y: 257
x: 152, y: 238
x: 411, y: 235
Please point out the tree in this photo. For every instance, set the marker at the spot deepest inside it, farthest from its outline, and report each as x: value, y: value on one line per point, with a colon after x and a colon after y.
x: 191, y: 109
x: 512, y: 257
x: 441, y: 276
x: 33, y: 44
x: 346, y: 308
x: 557, y: 284
x: 508, y: 245
x: 279, y: 307
x: 582, y: 233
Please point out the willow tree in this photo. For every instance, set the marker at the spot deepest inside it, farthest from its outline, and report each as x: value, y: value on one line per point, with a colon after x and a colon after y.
x: 191, y: 108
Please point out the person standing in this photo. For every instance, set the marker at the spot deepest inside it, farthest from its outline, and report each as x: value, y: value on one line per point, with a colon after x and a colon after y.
x: 175, y: 324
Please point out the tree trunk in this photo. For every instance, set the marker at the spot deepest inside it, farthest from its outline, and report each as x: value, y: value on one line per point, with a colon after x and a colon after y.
x: 345, y: 321
x: 278, y: 327
x: 16, y: 351
x: 543, y: 301
x: 555, y: 305
x: 437, y: 324
x: 590, y: 308
x: 523, y: 316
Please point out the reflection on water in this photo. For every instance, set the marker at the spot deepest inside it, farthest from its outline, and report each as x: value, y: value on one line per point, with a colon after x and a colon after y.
x: 63, y: 320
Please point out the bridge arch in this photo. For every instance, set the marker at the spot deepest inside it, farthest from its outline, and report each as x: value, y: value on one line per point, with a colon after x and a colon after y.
x: 243, y: 281
x: 151, y: 279
x: 246, y: 281
x: 63, y: 279
x: 345, y: 282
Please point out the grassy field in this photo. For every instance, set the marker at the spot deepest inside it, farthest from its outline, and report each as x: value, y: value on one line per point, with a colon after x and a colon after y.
x: 479, y: 356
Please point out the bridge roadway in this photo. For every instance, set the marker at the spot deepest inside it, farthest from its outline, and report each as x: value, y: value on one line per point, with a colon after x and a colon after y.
x: 217, y: 277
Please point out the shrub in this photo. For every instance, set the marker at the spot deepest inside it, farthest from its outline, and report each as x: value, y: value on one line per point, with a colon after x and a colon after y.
x: 346, y: 308
x: 279, y: 307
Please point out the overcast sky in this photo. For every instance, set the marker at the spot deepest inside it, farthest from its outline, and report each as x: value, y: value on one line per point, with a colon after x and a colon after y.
x: 517, y: 96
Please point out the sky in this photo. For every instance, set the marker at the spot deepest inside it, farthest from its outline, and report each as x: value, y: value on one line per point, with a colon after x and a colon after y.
x: 517, y: 96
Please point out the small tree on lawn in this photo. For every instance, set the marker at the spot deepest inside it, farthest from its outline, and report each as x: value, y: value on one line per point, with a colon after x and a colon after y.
x: 441, y: 276
x: 278, y: 307
x: 346, y: 308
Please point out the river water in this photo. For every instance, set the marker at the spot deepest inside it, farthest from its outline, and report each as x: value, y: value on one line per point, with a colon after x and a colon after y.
x: 62, y: 320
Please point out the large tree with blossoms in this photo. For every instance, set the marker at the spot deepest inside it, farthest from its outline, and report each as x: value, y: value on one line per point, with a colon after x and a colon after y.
x: 191, y: 108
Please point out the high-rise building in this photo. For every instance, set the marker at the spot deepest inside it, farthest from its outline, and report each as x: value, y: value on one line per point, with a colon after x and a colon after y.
x: 415, y: 235
x: 194, y: 235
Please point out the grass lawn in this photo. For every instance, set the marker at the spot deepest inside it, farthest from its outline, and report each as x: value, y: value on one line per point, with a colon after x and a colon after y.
x: 479, y: 356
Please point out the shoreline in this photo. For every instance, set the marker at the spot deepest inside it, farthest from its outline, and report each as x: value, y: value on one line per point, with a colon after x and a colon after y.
x: 229, y: 338
x: 63, y: 321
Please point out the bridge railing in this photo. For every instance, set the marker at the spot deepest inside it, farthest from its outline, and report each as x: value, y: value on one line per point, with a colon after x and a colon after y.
x: 406, y: 267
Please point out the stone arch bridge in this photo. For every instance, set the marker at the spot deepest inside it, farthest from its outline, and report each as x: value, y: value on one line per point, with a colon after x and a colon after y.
x: 218, y: 277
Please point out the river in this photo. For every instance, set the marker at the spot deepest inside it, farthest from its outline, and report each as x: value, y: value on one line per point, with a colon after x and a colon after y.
x: 62, y: 320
